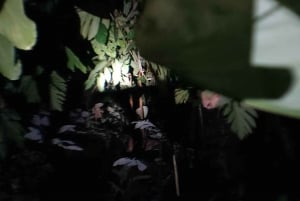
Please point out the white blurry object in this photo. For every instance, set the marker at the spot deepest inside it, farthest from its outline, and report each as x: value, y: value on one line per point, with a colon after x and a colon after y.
x: 67, y: 128
x: 66, y: 144
x: 130, y: 163
x: 34, y: 134
x: 142, y: 113
x: 276, y: 43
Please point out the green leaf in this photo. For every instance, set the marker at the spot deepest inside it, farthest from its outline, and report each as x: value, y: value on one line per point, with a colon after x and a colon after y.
x: 181, y: 96
x: 102, y: 34
x: 241, y: 118
x: 94, y: 27
x: 8, y: 67
x: 88, y: 24
x: 29, y: 88
x: 91, y: 81
x: 16, y: 26
x: 58, y: 89
x: 74, y: 61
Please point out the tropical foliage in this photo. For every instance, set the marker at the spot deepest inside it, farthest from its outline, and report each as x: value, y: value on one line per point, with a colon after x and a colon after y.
x: 118, y: 64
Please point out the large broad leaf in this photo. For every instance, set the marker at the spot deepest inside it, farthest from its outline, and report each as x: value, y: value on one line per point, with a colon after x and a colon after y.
x: 16, y: 26
x: 88, y: 24
x: 58, y: 89
x: 8, y: 67
x: 208, y: 42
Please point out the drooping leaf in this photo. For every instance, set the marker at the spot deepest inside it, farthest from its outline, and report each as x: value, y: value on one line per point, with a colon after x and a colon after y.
x: 94, y: 27
x: 29, y: 88
x: 8, y: 67
x: 16, y: 26
x: 240, y: 117
x: 89, y: 24
x: 58, y: 89
x: 74, y: 61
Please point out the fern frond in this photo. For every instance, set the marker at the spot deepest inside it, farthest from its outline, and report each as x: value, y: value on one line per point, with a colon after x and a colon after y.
x: 241, y: 118
x: 58, y: 89
x: 181, y: 96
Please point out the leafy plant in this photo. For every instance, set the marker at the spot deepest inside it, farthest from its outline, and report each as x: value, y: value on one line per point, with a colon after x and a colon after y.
x: 74, y: 61
x: 118, y: 63
x: 181, y: 96
x: 58, y: 90
x: 240, y: 117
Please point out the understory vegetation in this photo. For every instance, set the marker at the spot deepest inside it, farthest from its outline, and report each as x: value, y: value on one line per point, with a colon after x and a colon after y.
x: 84, y: 116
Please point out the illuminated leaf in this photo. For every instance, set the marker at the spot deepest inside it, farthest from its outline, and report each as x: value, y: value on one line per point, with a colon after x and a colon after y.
x: 101, y: 82
x: 94, y: 28
x: 16, y: 26
x: 181, y: 96
x: 89, y: 24
x: 116, y: 75
x: 91, y: 81
x: 74, y: 61
x: 107, y: 74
